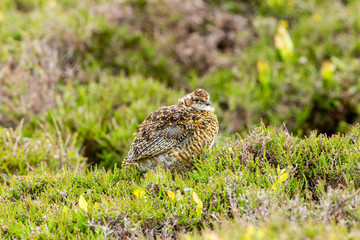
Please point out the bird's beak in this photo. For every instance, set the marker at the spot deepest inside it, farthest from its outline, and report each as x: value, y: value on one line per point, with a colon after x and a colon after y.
x: 207, y: 103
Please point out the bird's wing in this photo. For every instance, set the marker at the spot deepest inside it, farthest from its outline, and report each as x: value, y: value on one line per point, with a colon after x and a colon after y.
x: 163, y: 129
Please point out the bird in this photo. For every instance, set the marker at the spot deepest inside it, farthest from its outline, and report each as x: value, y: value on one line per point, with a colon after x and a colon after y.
x: 171, y: 136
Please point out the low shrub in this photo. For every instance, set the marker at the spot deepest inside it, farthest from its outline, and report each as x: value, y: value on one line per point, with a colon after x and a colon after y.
x: 252, y: 180
x: 105, y: 114
x: 21, y: 155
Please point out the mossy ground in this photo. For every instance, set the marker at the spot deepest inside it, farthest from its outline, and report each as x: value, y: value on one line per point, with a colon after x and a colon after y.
x: 77, y: 77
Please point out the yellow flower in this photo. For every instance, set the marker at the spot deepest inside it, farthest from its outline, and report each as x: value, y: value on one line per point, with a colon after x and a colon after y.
x: 327, y: 74
x: 264, y: 71
x: 283, y: 42
x: 316, y: 17
x: 171, y: 194
x: 139, y: 193
x: 327, y: 69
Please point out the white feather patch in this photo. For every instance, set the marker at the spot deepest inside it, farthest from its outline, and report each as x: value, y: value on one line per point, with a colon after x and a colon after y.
x: 202, y: 107
x: 182, y: 100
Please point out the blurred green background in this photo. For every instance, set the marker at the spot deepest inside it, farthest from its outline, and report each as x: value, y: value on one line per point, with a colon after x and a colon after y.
x: 79, y: 76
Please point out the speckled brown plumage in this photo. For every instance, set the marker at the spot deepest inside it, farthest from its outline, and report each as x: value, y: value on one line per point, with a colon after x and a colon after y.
x: 171, y: 136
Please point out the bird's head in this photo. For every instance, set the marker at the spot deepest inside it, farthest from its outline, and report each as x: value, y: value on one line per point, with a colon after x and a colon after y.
x: 198, y: 99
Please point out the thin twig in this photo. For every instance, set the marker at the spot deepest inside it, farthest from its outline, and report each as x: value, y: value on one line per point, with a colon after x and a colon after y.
x: 354, y: 140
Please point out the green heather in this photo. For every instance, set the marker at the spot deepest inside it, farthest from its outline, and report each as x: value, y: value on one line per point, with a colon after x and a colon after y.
x: 78, y: 77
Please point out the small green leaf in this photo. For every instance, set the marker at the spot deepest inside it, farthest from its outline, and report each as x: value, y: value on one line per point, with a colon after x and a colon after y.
x: 275, y: 187
x: 198, y: 202
x: 178, y: 195
x: 197, y: 199
x: 65, y: 209
x: 198, y: 210
x: 83, y: 204
x: 283, y: 177
x: 188, y: 191
x: 96, y: 206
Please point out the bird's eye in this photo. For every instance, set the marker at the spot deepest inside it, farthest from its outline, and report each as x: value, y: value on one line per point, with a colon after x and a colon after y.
x: 196, y: 100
